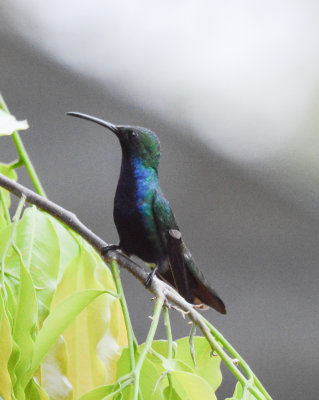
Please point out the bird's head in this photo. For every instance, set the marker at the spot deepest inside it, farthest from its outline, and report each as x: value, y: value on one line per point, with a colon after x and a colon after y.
x: 136, y: 142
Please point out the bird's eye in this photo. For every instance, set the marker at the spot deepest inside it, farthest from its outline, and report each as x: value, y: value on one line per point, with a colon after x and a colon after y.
x: 132, y: 134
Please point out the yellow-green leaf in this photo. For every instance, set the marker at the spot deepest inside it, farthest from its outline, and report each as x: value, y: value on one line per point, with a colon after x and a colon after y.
x: 3, y: 221
x: 5, y: 351
x: 54, y: 370
x: 95, y: 337
x: 189, y: 386
x: 39, y: 245
x: 149, y: 378
x: 24, y: 328
x: 35, y: 392
x: 5, y: 194
x: 97, y: 394
x: 170, y: 394
x: 69, y: 247
x: 57, y: 322
x: 207, y: 366
x: 240, y: 393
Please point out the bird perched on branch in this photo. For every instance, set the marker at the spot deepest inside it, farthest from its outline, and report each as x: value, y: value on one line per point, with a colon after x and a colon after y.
x: 144, y: 220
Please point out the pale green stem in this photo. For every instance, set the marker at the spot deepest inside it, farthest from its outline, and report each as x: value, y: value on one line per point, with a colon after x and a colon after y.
x: 12, y: 275
x: 4, y: 207
x: 232, y: 367
x: 109, y: 396
x: 129, y: 329
x: 15, y: 164
x: 147, y: 346
x: 167, y: 324
x: 11, y: 239
x: 191, y: 343
x: 23, y: 156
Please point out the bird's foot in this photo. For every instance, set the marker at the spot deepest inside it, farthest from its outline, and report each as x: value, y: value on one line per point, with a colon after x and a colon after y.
x: 201, y: 306
x: 150, y: 277
x: 110, y: 247
x: 184, y: 313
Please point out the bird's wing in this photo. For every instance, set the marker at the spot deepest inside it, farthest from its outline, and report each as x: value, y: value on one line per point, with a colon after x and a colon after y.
x: 181, y: 271
x: 174, y: 270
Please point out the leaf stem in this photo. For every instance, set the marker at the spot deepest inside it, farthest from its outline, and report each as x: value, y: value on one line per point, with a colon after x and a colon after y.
x: 167, y: 324
x: 15, y: 164
x: 247, y: 383
x: 169, y: 335
x: 147, y: 345
x: 23, y: 156
x: 28, y: 164
x: 129, y: 329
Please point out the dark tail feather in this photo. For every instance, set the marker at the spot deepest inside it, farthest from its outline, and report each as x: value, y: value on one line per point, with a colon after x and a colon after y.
x: 188, y: 279
x: 203, y: 293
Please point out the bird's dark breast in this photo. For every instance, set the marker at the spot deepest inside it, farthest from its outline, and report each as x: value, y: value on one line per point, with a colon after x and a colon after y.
x: 134, y: 227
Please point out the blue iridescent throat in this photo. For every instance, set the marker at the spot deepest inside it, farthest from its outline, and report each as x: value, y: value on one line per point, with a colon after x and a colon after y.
x: 146, y: 178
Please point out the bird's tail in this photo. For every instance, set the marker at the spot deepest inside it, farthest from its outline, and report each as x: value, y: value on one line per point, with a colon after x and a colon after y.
x: 187, y: 278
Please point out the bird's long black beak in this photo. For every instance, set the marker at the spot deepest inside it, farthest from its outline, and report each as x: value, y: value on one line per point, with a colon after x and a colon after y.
x: 99, y: 121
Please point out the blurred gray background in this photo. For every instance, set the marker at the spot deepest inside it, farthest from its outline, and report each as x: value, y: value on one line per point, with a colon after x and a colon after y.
x: 231, y: 89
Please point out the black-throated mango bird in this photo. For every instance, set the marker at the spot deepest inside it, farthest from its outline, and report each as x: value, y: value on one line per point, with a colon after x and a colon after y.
x: 144, y: 220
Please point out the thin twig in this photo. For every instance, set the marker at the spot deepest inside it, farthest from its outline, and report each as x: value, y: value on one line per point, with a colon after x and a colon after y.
x: 147, y: 345
x: 167, y: 323
x: 129, y: 329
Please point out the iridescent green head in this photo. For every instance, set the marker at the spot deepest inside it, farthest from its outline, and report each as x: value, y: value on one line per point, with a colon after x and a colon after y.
x: 136, y: 142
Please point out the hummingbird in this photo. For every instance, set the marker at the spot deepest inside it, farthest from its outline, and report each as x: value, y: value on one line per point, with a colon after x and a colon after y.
x: 145, y: 222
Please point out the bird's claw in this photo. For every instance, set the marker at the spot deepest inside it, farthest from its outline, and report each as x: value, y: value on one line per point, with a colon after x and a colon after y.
x: 150, y: 277
x: 110, y: 247
x: 149, y: 280
x: 184, y: 313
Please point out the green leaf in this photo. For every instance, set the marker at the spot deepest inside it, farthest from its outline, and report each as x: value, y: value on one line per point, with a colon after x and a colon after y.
x: 123, y: 369
x: 149, y: 377
x: 57, y: 322
x: 98, y: 393
x: 161, y: 347
x: 171, y: 394
x: 11, y: 301
x: 148, y: 380
x: 5, y: 194
x: 175, y: 365
x: 54, y: 371
x: 38, y: 242
x: 5, y: 351
x: 35, y: 392
x: 189, y: 386
x: 161, y: 362
x: 69, y: 246
x: 24, y: 328
x: 9, y: 124
x: 3, y: 221
x: 239, y: 393
x: 208, y: 366
x: 97, y: 335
